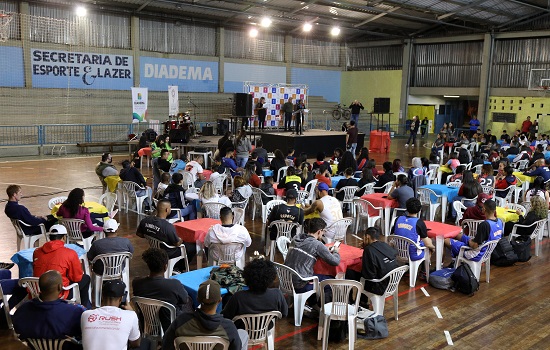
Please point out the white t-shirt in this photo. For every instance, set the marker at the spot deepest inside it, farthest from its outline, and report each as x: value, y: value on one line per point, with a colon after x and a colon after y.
x: 194, y: 168
x: 217, y: 199
x: 332, y: 212
x: 108, y: 328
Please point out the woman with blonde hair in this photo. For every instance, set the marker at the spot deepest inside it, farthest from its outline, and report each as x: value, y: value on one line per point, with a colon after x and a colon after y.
x: 539, y: 211
x: 208, y: 194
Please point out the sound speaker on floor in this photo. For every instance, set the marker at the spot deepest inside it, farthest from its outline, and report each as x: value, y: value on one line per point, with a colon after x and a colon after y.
x: 382, y: 105
x: 223, y: 126
x: 179, y: 136
x: 242, y: 105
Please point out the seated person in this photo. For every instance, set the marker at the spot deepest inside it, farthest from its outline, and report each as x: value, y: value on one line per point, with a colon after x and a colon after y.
x: 110, y: 244
x: 413, y: 228
x: 401, y: 191
x: 227, y: 232
x: 489, y: 230
x: 324, y: 175
x: 290, y: 159
x: 366, y: 178
x: 257, y: 165
x: 347, y: 161
x: 195, y: 168
x: 385, y: 178
x: 371, y: 164
x: 416, y: 168
x: 291, y: 180
x: 540, y: 169
x: 486, y: 178
x: 349, y: 180
x: 277, y: 163
x: 155, y: 286
x: 288, y: 212
x: 163, y: 163
x: 72, y: 208
x: 208, y: 194
x: 259, y: 275
x: 396, y: 166
x: 261, y: 152
x: 538, y: 188
x: 476, y: 212
x: 321, y: 161
x: 130, y: 173
x: 538, y: 211
x: 241, y: 191
x: 250, y: 175
x: 175, y: 193
x: 504, y: 181
x: 16, y: 211
x: 229, y: 163
x: 105, y: 168
x: 164, y: 182
x: 267, y: 188
x: 336, y: 155
x: 49, y: 317
x: 457, y: 176
x: 538, y: 154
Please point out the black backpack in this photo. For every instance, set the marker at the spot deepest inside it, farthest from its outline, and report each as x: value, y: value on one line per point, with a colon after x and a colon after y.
x: 504, y: 254
x: 464, y: 280
x: 522, y: 247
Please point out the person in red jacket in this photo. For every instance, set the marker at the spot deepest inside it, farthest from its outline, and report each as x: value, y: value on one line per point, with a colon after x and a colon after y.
x: 53, y: 255
x: 526, y: 125
x: 503, y: 181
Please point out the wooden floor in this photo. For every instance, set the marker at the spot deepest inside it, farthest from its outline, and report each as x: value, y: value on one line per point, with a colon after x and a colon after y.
x: 511, y: 312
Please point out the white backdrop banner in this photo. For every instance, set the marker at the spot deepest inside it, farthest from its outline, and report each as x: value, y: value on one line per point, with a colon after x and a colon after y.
x: 139, y: 104
x: 173, y: 100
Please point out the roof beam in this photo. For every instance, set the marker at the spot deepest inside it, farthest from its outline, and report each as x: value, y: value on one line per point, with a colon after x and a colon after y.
x: 460, y: 9
x: 376, y: 17
x: 144, y: 4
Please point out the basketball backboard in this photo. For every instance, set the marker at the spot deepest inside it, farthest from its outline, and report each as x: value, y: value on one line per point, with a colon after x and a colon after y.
x: 539, y: 79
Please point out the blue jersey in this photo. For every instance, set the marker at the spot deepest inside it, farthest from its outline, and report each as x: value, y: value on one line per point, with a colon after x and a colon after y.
x: 406, y: 227
x: 495, y: 233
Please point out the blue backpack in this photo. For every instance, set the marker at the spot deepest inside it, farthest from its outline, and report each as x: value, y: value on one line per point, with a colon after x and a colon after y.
x: 176, y: 166
x: 441, y: 279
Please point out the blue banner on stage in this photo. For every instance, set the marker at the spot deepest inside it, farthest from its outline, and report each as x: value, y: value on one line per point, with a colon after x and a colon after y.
x: 81, y: 70
x: 189, y: 75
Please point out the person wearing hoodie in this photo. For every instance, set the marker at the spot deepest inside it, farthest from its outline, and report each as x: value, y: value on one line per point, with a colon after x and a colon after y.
x: 305, y: 249
x: 226, y: 233
x: 242, y: 191
x: 48, y: 316
x: 205, y: 321
x: 175, y: 193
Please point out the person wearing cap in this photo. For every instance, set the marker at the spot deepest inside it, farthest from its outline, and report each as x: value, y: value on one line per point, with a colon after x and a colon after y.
x: 48, y: 316
x: 412, y: 227
x: 16, y: 211
x: 288, y: 212
x: 110, y: 244
x: 53, y: 255
x: 205, y: 321
x: 291, y: 180
x: 328, y: 207
x: 114, y: 325
x: 489, y: 230
x: 158, y: 227
x: 227, y: 233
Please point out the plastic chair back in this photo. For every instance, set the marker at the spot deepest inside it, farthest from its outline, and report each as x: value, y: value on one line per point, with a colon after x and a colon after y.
x: 459, y: 208
x: 56, y: 200
x: 310, y: 187
x: 488, y: 189
x: 24, y: 241
x: 271, y: 204
x: 113, y: 264
x: 341, y: 291
x: 187, y: 179
x: 238, y: 216
x: 150, y: 310
x: 281, y: 173
x: 200, y: 343
x: 224, y: 253
x: 257, y: 325
x: 284, y: 228
x: 6, y: 308
x: 212, y: 210
x: 401, y: 244
x: 46, y: 344
x: 73, y: 229
x: 425, y: 195
x: 108, y: 199
x: 471, y: 225
x: 340, y: 228
x: 302, y: 197
x: 241, y: 204
x: 394, y: 277
x: 219, y: 183
x: 282, y: 244
x: 368, y: 188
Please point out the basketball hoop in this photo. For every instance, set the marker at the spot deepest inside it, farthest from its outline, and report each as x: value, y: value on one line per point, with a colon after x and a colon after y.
x: 5, y: 20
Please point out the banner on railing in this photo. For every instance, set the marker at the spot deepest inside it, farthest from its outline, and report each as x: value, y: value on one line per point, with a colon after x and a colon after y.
x: 173, y: 100
x: 139, y: 104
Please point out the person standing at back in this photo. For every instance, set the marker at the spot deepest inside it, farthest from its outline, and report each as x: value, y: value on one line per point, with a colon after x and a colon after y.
x: 424, y: 126
x: 474, y: 125
x: 356, y: 108
x: 351, y: 137
x: 262, y: 113
x: 415, y: 124
x: 287, y: 110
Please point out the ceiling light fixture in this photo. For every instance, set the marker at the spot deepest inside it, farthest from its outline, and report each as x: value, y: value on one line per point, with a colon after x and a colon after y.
x: 451, y: 96
x: 266, y: 22
x: 253, y: 32
x: 307, y: 27
x: 81, y: 11
x: 335, y: 31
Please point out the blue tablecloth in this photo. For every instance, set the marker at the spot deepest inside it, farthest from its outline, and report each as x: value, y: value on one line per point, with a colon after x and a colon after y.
x: 487, y: 162
x: 23, y: 259
x: 191, y: 281
x: 443, y: 190
x: 511, y: 157
x: 336, y: 179
x: 267, y: 172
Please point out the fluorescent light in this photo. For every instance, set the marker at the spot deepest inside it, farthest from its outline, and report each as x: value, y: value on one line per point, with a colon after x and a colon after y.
x: 253, y: 32
x: 266, y: 22
x: 81, y: 11
x: 451, y: 96
x: 335, y: 31
x: 307, y: 27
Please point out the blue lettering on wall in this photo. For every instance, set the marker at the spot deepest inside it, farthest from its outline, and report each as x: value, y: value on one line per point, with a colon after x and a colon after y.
x: 188, y: 75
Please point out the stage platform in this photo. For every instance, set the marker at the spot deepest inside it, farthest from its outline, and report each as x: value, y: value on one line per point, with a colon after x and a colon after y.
x: 312, y: 141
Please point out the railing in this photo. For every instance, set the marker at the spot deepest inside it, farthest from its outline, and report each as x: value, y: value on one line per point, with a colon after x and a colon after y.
x: 364, y: 125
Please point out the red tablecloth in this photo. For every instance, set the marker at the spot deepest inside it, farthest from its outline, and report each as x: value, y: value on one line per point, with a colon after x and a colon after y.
x: 378, y: 200
x: 440, y: 229
x: 194, y: 230
x: 145, y: 151
x: 207, y: 174
x: 350, y: 258
x: 280, y: 192
x: 380, y: 141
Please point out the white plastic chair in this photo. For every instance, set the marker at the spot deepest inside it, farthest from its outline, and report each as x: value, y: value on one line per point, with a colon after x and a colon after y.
x: 362, y: 212
x: 385, y: 188
x: 242, y: 204
x: 397, y: 212
x: 212, y: 210
x: 200, y: 343
x: 258, y: 327
x: 302, y: 197
x: 349, y: 195
x: 115, y: 266
x: 402, y: 244
x: 56, y: 200
x: 514, y: 206
x: 340, y: 228
x: 156, y: 243
x: 187, y: 179
x: 367, y: 188
x: 477, y: 169
x: 130, y: 188
x: 238, y: 216
x: 269, y: 207
x: 32, y: 286
x: 425, y: 195
x: 75, y: 234
x: 219, y: 183
x: 6, y: 308
x: 476, y: 265
x: 108, y: 199
x: 258, y: 202
x: 521, y: 164
x: 433, y: 177
x: 339, y: 308
x: 45, y: 344
x: 397, y: 173
x: 454, y: 184
x: 281, y: 173
x: 219, y: 254
x: 459, y: 208
x: 488, y: 189
x: 378, y: 301
x: 282, y: 245
x: 471, y: 225
x: 284, y: 228
x: 286, y: 286
x: 25, y: 241
x: 310, y: 187
x: 150, y: 310
x: 538, y: 231
x: 508, y: 198
x: 466, y: 200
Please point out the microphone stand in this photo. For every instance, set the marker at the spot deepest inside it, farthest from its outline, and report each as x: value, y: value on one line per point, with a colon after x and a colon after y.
x: 195, y: 107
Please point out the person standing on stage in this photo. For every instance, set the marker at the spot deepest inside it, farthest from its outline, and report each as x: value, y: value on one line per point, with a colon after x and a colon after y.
x: 300, y: 106
x: 356, y: 108
x: 415, y: 124
x: 262, y: 113
x: 287, y: 109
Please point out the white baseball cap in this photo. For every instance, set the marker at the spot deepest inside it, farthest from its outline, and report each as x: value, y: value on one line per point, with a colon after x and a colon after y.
x: 110, y: 225
x: 58, y: 230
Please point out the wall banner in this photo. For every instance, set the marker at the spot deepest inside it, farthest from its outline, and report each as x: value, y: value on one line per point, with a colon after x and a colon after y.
x: 81, y: 70
x: 139, y: 104
x: 189, y: 75
x: 173, y: 100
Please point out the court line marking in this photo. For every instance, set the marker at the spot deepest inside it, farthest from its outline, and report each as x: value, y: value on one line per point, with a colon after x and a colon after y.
x: 28, y: 185
x: 436, y: 309
x: 448, y: 336
x: 357, y: 237
x: 425, y: 291
x: 288, y: 335
x: 27, y: 168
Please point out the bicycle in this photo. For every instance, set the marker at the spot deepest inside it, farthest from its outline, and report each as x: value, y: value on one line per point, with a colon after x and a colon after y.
x: 339, y: 112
